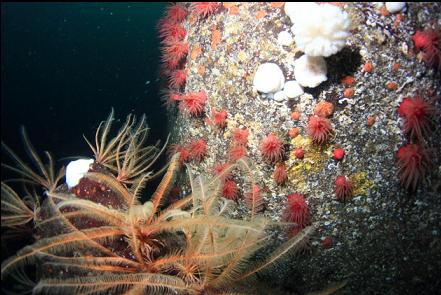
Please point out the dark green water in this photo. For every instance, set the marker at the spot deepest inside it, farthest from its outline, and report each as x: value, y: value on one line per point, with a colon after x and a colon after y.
x: 64, y: 65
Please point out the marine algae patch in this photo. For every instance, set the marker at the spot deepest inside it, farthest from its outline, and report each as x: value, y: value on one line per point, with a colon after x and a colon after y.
x: 361, y: 183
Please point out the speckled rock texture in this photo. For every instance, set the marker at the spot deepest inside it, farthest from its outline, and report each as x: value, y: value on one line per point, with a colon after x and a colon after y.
x: 385, y: 240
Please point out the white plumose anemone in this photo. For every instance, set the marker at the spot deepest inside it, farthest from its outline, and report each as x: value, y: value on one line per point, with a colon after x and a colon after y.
x: 292, y: 89
x: 269, y: 78
x: 310, y: 71
x: 319, y: 30
x: 75, y: 170
x: 295, y: 9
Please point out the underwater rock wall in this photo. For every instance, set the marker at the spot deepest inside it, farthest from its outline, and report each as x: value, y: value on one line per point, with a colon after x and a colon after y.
x: 382, y: 236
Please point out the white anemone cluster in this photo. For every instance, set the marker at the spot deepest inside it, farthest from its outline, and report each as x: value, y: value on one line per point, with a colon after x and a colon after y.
x: 319, y: 29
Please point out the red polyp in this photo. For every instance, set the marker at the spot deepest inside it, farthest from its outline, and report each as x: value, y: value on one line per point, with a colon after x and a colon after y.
x: 280, y: 176
x: 204, y: 9
x: 339, y: 153
x: 271, y: 148
x: 219, y: 118
x: 413, y: 164
x: 297, y: 210
x: 176, y: 13
x: 343, y: 188
x: 177, y: 79
x: 230, y: 190
x: 237, y: 151
x: 416, y: 114
x: 319, y: 129
x: 240, y: 136
x: 198, y: 149
x: 193, y: 103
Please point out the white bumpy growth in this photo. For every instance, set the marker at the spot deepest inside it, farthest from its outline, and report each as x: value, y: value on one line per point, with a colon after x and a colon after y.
x: 269, y: 78
x: 75, y: 170
x: 310, y: 71
x: 319, y: 30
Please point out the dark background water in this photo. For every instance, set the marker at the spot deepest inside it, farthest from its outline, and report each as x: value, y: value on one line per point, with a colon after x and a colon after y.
x: 64, y: 65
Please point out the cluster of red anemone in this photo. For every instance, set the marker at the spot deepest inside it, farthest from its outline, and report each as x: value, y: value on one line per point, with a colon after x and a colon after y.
x: 172, y: 34
x: 413, y: 158
x: 174, y: 50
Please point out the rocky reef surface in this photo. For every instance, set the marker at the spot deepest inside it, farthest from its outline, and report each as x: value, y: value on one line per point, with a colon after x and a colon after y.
x: 385, y: 239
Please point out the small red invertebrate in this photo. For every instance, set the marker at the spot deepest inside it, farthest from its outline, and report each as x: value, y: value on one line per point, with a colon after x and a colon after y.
x: 237, y: 151
x: 271, y: 148
x: 170, y: 31
x: 368, y: 67
x: 295, y: 116
x: 219, y: 118
x: 299, y: 153
x: 240, y: 136
x: 170, y: 98
x: 319, y: 129
x: 198, y: 149
x: 349, y: 92
x: 324, y: 109
x: 174, y: 50
x: 371, y: 120
x: 193, y: 102
x: 392, y: 85
x: 170, y: 63
x: 293, y: 132
x: 177, y: 78
x: 416, y: 113
x: 297, y: 210
x: 348, y: 81
x: 327, y: 242
x: 204, y: 9
x: 413, y: 163
x: 230, y: 190
x: 280, y: 176
x: 220, y: 168
x: 428, y: 41
x: 343, y: 188
x: 184, y: 155
x: 176, y: 12
x: 339, y: 153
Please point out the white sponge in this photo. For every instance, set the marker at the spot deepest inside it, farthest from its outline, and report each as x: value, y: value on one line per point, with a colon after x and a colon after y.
x: 269, y: 78
x: 310, y: 71
x: 75, y: 170
x: 320, y: 30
